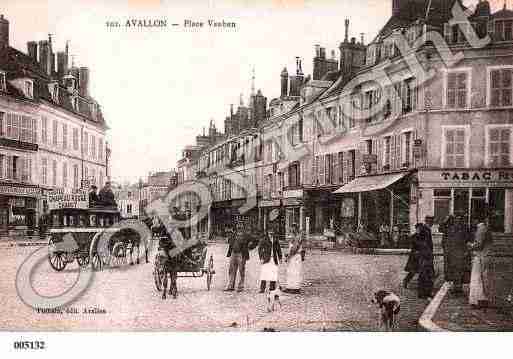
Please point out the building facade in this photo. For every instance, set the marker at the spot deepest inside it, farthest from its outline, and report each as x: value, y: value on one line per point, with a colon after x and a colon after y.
x: 416, y: 123
x: 52, y: 131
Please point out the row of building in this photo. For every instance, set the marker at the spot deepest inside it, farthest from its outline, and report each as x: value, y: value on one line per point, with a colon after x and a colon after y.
x: 408, y: 141
x: 52, y: 131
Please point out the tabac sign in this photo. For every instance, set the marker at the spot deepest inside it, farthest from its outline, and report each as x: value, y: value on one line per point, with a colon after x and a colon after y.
x: 468, y: 178
x: 61, y: 198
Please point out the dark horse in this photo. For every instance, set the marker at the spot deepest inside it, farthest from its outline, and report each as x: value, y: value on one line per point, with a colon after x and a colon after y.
x: 166, y: 262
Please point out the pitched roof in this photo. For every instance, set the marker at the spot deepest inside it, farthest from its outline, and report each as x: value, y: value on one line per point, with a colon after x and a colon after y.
x: 17, y: 65
x: 503, y: 14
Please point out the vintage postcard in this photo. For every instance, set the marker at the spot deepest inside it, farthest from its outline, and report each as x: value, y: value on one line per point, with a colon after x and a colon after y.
x: 255, y: 166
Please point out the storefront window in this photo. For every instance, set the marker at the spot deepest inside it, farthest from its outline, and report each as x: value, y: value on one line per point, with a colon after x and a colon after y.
x: 497, y: 199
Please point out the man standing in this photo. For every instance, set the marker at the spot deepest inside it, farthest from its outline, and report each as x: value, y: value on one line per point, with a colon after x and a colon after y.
x: 455, y: 239
x: 238, y: 252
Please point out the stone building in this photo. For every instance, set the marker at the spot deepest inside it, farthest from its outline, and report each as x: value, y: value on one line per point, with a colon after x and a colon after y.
x: 52, y: 131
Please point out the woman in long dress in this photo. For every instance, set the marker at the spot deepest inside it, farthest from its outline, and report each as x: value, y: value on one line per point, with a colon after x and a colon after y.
x: 295, y: 263
x: 479, y: 281
x: 425, y: 262
x: 269, y: 251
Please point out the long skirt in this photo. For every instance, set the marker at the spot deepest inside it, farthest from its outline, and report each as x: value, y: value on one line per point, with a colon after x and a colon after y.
x: 477, y: 285
x: 425, y: 281
x: 295, y: 272
x: 269, y: 271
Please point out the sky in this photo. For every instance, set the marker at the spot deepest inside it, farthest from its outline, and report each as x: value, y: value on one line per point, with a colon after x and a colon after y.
x: 158, y: 87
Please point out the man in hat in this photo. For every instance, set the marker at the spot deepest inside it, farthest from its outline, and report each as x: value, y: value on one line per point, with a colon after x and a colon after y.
x: 93, y: 196
x: 238, y: 252
x: 107, y: 196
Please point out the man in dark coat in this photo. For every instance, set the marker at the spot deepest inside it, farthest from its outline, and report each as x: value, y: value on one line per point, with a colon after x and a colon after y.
x: 107, y: 196
x: 240, y: 244
x: 424, y: 250
x: 93, y: 197
x: 454, y: 242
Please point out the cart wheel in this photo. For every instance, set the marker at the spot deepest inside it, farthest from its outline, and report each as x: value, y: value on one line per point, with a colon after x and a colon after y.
x: 83, y: 261
x: 210, y: 272
x: 57, y: 259
x: 96, y: 262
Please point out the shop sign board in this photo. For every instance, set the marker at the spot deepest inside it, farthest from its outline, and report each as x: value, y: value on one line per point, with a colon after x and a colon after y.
x: 293, y: 193
x: 61, y: 198
x: 503, y: 178
x: 20, y: 191
x: 370, y: 159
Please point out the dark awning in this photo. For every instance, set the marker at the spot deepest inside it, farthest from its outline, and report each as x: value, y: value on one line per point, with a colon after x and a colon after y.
x: 373, y: 183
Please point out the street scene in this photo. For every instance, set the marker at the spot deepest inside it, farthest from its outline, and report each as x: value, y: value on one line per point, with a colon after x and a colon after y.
x: 357, y: 180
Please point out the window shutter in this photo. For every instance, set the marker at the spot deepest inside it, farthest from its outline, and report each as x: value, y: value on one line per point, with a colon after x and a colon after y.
x: 393, y: 164
x: 345, y: 167
x: 375, y: 146
x: 398, y: 148
x: 322, y: 176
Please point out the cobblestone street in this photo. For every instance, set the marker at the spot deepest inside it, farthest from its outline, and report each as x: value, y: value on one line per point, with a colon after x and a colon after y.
x: 337, y: 293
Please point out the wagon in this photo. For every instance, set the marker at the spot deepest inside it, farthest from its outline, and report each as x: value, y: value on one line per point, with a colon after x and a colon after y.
x: 76, y: 234
x: 191, y: 262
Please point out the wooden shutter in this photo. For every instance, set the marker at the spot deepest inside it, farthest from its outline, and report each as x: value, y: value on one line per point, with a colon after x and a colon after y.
x: 322, y: 174
x: 398, y: 151
x: 447, y: 33
x: 375, y: 146
x: 345, y: 166
x: 393, y: 164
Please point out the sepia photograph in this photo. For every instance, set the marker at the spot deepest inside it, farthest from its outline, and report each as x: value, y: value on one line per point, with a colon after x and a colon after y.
x: 242, y: 166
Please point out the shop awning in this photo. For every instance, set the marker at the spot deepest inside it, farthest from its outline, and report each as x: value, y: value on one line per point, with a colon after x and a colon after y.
x: 373, y: 183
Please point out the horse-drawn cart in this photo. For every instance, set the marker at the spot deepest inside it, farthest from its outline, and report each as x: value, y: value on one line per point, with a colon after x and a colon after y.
x: 183, y: 257
x: 90, y: 235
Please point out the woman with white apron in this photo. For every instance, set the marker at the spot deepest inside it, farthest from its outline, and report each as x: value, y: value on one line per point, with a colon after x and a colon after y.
x: 269, y: 251
x: 479, y: 281
x: 295, y: 262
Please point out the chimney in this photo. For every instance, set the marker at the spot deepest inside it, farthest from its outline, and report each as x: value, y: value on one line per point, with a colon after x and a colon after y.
x: 362, y: 38
x: 396, y: 7
x: 284, y: 82
x: 45, y: 57
x: 62, y: 64
x: 319, y: 63
x: 317, y: 51
x: 32, y: 50
x: 346, y: 32
x: 4, y: 32
x: 83, y: 81
x: 323, y: 53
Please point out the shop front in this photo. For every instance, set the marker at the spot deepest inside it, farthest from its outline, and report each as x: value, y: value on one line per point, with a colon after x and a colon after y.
x: 270, y: 213
x: 379, y: 203
x: 322, y: 210
x: 18, y: 208
x: 468, y: 193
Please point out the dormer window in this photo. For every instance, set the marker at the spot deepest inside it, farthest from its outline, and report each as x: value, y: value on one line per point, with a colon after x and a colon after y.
x: 70, y: 83
x: 3, y: 82
x: 54, y: 91
x: 29, y: 89
x: 74, y: 102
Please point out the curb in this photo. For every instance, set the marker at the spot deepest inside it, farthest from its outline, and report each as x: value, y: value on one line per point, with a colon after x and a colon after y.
x: 426, y: 319
x: 23, y: 244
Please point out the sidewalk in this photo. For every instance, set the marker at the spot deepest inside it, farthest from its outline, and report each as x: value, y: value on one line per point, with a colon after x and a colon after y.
x: 455, y: 314
x: 22, y: 241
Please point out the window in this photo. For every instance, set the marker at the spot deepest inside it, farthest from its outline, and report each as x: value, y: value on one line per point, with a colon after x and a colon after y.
x: 64, y: 175
x: 501, y: 87
x: 74, y: 102
x: 19, y: 127
x: 26, y: 170
x: 2, y: 166
x: 75, y: 176
x: 86, y: 144
x: 129, y: 208
x: 281, y: 182
x: 407, y: 149
x: 86, y: 173
x: 499, y: 146
x: 54, y: 173
x: 93, y: 176
x: 64, y: 136
x: 442, y: 199
x: 75, y: 139
x: 44, y: 171
x: 457, y: 89
x: 29, y: 89
x: 3, y: 83
x: 455, y: 143
x: 54, y: 91
x: 55, y: 130
x: 294, y: 175
x: 93, y: 147
x: 44, y: 130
